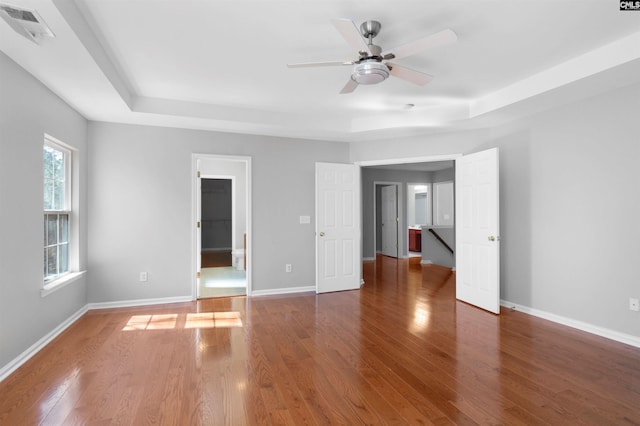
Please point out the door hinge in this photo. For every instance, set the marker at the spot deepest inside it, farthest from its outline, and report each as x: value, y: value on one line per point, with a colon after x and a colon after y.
x: 198, y: 275
x: 198, y: 224
x: 198, y: 173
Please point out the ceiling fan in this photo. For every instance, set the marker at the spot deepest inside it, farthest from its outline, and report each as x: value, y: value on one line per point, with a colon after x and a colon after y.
x: 372, y: 67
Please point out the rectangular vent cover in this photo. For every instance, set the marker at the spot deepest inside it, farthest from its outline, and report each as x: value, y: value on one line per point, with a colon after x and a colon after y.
x: 27, y: 23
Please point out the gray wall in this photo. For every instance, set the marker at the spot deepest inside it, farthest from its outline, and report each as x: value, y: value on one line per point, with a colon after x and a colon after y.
x: 371, y: 175
x: 444, y: 175
x: 569, y: 204
x: 433, y: 251
x: 141, y: 207
x: 28, y: 110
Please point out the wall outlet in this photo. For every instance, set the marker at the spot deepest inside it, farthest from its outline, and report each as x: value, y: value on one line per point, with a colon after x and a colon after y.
x: 143, y: 276
x: 634, y: 304
x: 287, y: 267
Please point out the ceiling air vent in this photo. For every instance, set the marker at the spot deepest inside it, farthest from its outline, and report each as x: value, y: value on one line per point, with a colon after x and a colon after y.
x: 25, y: 22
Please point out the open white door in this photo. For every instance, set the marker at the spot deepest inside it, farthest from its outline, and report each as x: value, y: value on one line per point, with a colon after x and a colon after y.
x: 337, y: 227
x: 477, y: 230
x: 198, y: 198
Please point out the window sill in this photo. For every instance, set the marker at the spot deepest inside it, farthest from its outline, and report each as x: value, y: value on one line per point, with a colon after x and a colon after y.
x: 61, y: 282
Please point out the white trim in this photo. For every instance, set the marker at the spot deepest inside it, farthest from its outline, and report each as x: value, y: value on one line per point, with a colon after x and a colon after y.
x: 61, y: 282
x: 426, y: 262
x: 286, y: 290
x: 368, y: 259
x: 18, y: 361
x: 407, y: 160
x: 569, y: 322
x: 139, y: 302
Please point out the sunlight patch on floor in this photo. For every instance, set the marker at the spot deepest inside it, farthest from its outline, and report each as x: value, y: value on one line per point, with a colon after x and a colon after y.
x: 190, y: 320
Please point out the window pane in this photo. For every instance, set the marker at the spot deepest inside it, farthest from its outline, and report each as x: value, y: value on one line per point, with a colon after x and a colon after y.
x: 45, y: 263
x: 52, y: 227
x: 48, y: 162
x: 52, y: 260
x: 58, y: 195
x: 48, y: 194
x: 58, y: 165
x: 63, y: 235
x: 63, y: 258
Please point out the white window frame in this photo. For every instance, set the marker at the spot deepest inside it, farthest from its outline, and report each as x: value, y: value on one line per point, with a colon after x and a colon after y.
x: 55, y: 282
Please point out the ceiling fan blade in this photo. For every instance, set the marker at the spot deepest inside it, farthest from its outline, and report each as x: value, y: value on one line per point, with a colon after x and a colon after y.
x: 319, y: 64
x: 349, y: 87
x: 351, y: 34
x: 412, y: 76
x: 434, y: 40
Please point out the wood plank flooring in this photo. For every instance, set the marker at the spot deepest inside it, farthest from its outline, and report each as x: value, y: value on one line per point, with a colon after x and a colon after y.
x: 215, y: 259
x: 399, y: 351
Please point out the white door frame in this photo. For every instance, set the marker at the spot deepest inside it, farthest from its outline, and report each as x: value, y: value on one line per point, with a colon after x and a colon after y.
x: 398, y: 186
x: 195, y: 214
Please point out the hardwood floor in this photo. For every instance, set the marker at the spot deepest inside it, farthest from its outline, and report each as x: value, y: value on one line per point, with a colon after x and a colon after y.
x: 215, y: 259
x: 399, y: 351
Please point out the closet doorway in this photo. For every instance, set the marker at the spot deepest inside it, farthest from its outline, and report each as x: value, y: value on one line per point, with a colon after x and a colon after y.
x: 221, y: 192
x: 218, y: 275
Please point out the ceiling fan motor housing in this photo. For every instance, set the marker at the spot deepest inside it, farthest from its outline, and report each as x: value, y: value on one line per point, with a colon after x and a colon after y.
x: 370, y: 28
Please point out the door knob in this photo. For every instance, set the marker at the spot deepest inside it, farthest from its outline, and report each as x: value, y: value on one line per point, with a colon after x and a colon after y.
x: 492, y: 238
x: 322, y: 234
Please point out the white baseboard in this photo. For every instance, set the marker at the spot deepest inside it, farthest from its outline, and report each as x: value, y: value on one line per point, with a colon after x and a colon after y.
x: 14, y: 364
x: 139, y: 302
x: 589, y: 328
x: 426, y: 262
x: 368, y: 259
x: 286, y: 290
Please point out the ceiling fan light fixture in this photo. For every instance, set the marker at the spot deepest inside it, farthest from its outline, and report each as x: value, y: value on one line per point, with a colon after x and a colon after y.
x: 370, y: 73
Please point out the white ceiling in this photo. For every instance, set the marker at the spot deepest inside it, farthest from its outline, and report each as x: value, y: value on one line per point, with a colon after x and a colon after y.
x: 221, y: 64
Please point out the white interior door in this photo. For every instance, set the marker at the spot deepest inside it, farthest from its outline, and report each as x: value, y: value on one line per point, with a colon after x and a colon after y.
x: 389, y: 219
x: 337, y: 227
x: 477, y: 230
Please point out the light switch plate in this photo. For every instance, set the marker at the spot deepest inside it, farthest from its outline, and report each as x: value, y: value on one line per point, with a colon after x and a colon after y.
x: 305, y: 220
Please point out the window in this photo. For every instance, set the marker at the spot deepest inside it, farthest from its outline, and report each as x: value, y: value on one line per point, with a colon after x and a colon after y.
x: 57, y: 209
